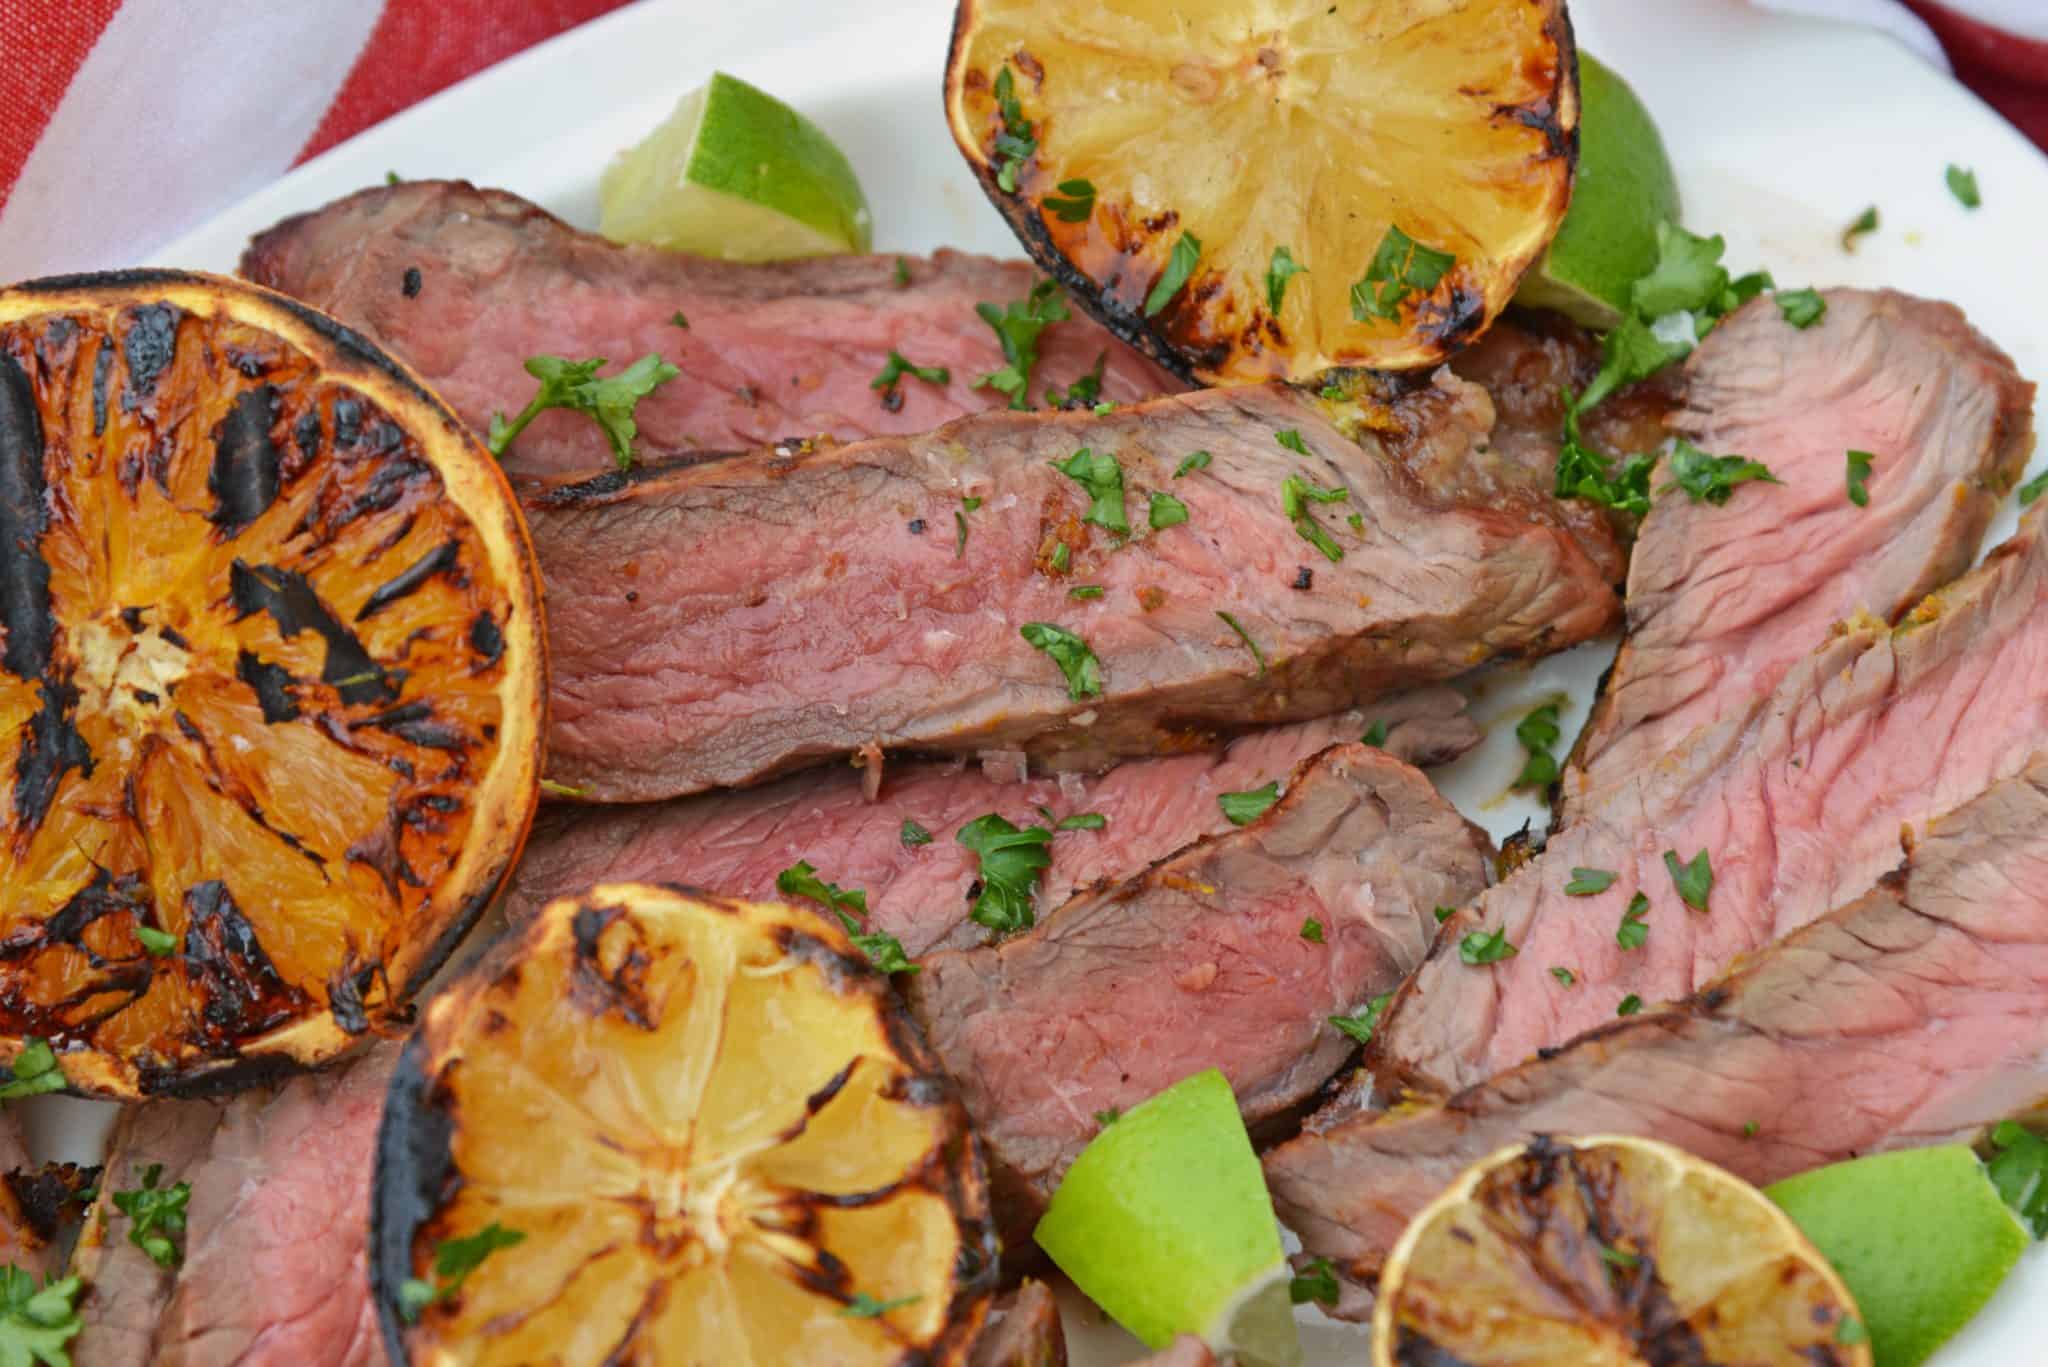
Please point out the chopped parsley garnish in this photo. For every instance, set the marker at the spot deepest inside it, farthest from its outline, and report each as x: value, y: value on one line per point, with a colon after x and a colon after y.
x: 1318, y: 1284
x: 1085, y: 591
x: 1802, y: 308
x: 684, y: 323
x: 1105, y: 1119
x: 454, y: 1260
x: 1062, y: 556
x: 902, y: 274
x: 1017, y: 327
x: 1071, y: 654
x: 1537, y: 732
x: 1082, y: 393
x: 1291, y: 439
x: 1246, y: 637
x: 1401, y: 267
x: 156, y: 943
x: 1584, y: 473
x: 1166, y: 511
x: 1360, y: 1024
x: 1282, y: 269
x: 1074, y: 202
x: 1444, y: 914
x: 1376, y: 734
x: 1295, y: 496
x: 1962, y: 183
x: 1688, y: 276
x: 1179, y: 266
x: 971, y: 501
x: 1357, y: 521
x: 34, y: 1071
x: 155, y: 1214
x: 898, y: 367
x: 574, y: 385
x: 1011, y: 860
x: 801, y: 880
x: 1858, y: 477
x: 914, y: 835
x: 1632, y: 931
x: 1014, y: 143
x: 1694, y: 879
x: 1636, y: 350
x: 1711, y: 479
x: 866, y: 1307
x: 1749, y: 1129
x: 1629, y: 1005
x: 1195, y: 460
x: 1098, y: 473
x: 1312, y: 931
x: 2019, y: 1170
x: 1590, y: 882
x: 1247, y: 807
x: 36, y: 1322
x: 1082, y: 821
x: 2033, y: 488
x: 1866, y: 222
x: 1619, y: 1257
x: 549, y: 786
x: 1479, y: 947
x: 1564, y: 975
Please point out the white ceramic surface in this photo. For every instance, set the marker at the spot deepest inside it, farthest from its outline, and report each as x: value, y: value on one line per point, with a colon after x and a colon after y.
x: 1783, y: 130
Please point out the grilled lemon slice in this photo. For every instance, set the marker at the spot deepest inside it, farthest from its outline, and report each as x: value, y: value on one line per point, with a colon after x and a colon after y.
x: 1609, y: 1252
x: 1252, y: 189
x: 659, y: 1126
x: 271, y: 684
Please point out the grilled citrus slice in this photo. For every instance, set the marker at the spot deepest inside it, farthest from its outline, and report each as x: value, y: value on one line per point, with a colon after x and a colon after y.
x: 1258, y: 189
x: 270, y: 687
x: 691, y: 1130
x: 1607, y: 1251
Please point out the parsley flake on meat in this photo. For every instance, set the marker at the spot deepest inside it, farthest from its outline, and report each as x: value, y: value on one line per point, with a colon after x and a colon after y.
x: 1317, y: 1282
x: 1098, y: 473
x: 1962, y: 183
x: 1400, y: 267
x: 1071, y: 654
x: 1011, y: 861
x: 1246, y: 637
x: 1537, y: 732
x: 36, y: 1322
x: 914, y: 835
x: 1480, y: 947
x: 866, y: 1307
x: 1295, y: 496
x: 1195, y: 460
x: 1291, y: 439
x: 454, y: 1260
x: 1376, y: 734
x: 1694, y: 879
x: 574, y: 385
x: 155, y: 1214
x: 1082, y: 393
x: 1359, y: 1025
x: 1279, y: 271
x: 1858, y: 476
x: 1629, y: 1005
x: 1246, y: 807
x: 902, y: 274
x: 1180, y: 264
x: 1444, y: 914
x: 1584, y: 473
x: 34, y: 1071
x: 156, y: 943
x: 1312, y: 931
x: 2019, y: 1169
x: 1082, y: 821
x: 1074, y: 202
x: 1563, y: 975
x: 1802, y: 308
x: 1014, y: 143
x: 1017, y: 327
x: 1590, y: 882
x: 1166, y: 511
x: 850, y: 905
x: 1082, y: 592
x: 1711, y: 479
x: 898, y: 367
x: 1632, y: 931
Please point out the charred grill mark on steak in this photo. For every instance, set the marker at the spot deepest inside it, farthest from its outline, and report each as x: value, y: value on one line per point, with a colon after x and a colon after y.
x: 242, y: 993
x: 244, y: 479
x: 294, y: 605
x: 443, y: 559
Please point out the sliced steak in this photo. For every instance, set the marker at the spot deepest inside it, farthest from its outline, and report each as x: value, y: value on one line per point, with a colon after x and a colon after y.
x: 1797, y: 802
x: 918, y: 892
x: 464, y: 284
x: 1023, y: 1331
x: 1200, y: 962
x: 1910, y: 1016
x: 274, y: 1251
x: 1724, y: 601
x: 718, y: 623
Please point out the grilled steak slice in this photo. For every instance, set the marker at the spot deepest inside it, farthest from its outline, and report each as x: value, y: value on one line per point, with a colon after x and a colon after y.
x: 464, y: 284
x: 1023, y: 1331
x: 1910, y: 1016
x: 918, y: 892
x: 718, y: 623
x: 1199, y: 962
x: 1797, y: 803
x: 276, y: 1237
x: 1724, y: 600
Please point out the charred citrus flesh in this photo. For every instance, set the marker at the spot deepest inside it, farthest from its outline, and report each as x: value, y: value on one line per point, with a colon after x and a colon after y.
x: 270, y: 684
x: 716, y: 1132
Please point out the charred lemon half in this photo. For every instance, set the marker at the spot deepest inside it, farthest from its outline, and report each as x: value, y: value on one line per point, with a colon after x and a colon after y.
x: 1261, y: 189
x: 660, y: 1126
x: 1609, y: 1252
x: 271, y: 680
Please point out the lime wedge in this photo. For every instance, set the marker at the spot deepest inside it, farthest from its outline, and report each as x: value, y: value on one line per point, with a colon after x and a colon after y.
x: 735, y: 173
x: 1624, y: 189
x: 1165, y: 1223
x: 1921, y: 1237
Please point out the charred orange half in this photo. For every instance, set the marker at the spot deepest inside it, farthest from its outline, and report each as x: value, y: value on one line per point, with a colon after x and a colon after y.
x: 271, y: 680
x: 657, y: 1126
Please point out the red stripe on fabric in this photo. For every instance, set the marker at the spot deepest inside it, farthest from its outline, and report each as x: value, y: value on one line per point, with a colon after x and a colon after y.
x: 421, y: 46
x: 42, y: 45
x: 2010, y: 73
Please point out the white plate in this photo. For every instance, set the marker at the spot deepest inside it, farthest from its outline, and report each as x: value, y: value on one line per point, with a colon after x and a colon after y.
x: 1783, y: 131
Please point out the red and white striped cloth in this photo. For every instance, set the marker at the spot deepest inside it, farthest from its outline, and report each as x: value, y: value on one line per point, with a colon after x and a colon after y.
x: 123, y: 123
